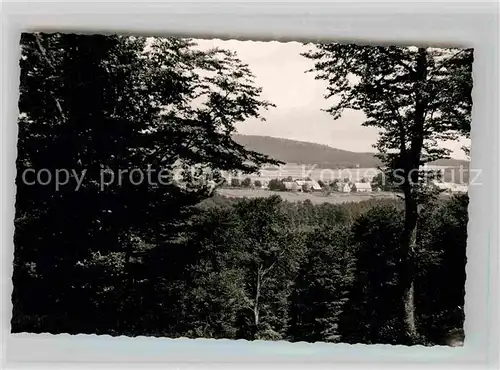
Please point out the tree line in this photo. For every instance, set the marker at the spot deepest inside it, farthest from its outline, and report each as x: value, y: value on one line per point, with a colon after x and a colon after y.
x: 416, y: 97
x: 268, y: 269
x: 142, y: 259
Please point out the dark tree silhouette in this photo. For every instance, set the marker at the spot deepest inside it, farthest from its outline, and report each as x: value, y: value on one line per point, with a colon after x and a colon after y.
x: 95, y: 105
x: 246, y: 183
x: 440, y: 283
x: 107, y: 253
x: 417, y: 96
x: 276, y: 185
x: 372, y: 306
x: 320, y: 290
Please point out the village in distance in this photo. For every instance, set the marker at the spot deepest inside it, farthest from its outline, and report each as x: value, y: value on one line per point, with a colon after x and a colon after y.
x: 349, y: 183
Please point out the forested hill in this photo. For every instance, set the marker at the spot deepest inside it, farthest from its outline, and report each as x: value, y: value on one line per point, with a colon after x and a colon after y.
x: 324, y: 156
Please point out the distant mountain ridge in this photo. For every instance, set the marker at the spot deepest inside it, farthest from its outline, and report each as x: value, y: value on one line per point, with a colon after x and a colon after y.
x: 324, y: 156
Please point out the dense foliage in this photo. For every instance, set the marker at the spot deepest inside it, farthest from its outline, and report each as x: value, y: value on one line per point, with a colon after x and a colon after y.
x: 416, y: 97
x: 269, y: 269
x: 174, y: 259
x: 95, y: 106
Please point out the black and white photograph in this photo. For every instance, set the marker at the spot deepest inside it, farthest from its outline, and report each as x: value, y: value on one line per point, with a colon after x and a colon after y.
x: 234, y: 189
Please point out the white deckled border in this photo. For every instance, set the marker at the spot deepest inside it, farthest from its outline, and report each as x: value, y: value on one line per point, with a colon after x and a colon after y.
x: 438, y: 24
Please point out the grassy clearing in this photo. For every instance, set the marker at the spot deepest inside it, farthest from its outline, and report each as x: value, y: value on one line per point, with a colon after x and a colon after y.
x: 315, y: 198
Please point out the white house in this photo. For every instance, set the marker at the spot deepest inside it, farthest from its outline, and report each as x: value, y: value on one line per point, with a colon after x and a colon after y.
x: 461, y: 189
x: 314, y: 185
x: 362, y: 187
x: 344, y: 187
x: 444, y: 187
x: 450, y: 188
x: 291, y: 185
x: 301, y: 184
x: 309, y: 184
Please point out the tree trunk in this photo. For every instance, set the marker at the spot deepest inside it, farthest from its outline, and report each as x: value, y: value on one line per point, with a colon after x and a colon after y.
x: 256, y: 300
x: 411, y: 163
x: 407, y: 267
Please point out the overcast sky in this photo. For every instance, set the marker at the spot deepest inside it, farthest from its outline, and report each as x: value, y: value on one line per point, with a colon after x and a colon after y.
x: 279, y: 69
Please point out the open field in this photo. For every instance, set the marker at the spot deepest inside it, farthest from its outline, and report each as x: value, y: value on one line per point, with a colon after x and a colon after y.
x: 449, y: 174
x: 315, y: 198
